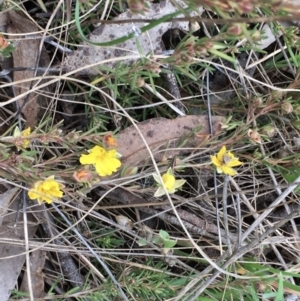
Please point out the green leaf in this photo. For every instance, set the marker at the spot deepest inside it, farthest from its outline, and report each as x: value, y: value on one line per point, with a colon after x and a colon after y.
x: 291, y: 174
x: 157, y: 240
x: 164, y: 235
x: 169, y: 243
x: 7, y: 51
x: 296, y: 123
x: 142, y: 242
x: 280, y: 296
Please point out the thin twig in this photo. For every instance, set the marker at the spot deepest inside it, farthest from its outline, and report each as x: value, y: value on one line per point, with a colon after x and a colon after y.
x: 225, y: 215
x: 97, y: 257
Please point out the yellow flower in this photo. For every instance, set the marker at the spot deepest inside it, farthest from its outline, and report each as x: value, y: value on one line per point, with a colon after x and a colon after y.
x: 169, y: 181
x: 25, y: 133
x: 18, y: 134
x: 47, y: 191
x: 105, y: 162
x: 224, y: 161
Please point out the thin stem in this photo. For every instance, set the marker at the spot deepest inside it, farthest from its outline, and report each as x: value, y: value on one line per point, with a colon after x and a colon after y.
x: 225, y: 215
x: 103, y: 264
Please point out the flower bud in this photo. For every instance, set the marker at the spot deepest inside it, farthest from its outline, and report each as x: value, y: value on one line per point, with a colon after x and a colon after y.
x: 109, y: 141
x: 268, y: 130
x: 256, y: 36
x: 3, y: 43
x: 140, y: 82
x: 208, y: 45
x: 286, y: 108
x: 254, y: 136
x: 153, y: 67
x: 257, y: 102
x: 185, y: 58
x: 245, y: 7
x: 83, y: 176
x: 277, y: 94
x: 297, y: 110
x: 200, y: 50
x: 296, y: 123
x: 235, y: 30
x: 137, y: 6
x: 129, y: 171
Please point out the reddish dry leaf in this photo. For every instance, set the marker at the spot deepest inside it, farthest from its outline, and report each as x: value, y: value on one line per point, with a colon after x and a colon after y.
x: 25, y: 55
x: 11, y: 262
x: 37, y: 262
x: 163, y: 136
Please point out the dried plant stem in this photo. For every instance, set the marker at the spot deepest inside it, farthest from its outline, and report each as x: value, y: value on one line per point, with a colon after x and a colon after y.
x: 103, y: 264
x: 240, y: 252
x: 225, y: 215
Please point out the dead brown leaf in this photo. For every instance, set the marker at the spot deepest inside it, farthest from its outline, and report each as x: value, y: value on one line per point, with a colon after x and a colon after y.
x: 11, y: 262
x: 25, y: 55
x: 37, y: 262
x: 163, y: 135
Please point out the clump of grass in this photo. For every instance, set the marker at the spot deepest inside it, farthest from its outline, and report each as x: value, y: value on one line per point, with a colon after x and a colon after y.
x: 253, y: 255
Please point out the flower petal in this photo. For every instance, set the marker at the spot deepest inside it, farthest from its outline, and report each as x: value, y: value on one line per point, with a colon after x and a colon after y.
x: 215, y: 161
x: 172, y: 190
x: 156, y: 178
x: 234, y: 163
x: 112, y: 153
x: 221, y: 153
x: 47, y: 190
x: 219, y: 169
x: 102, y: 170
x: 229, y: 171
x: 97, y: 150
x: 105, y: 162
x: 88, y: 159
x: 159, y: 192
x: 179, y: 183
x: 32, y: 194
x: 169, y: 181
x: 114, y: 164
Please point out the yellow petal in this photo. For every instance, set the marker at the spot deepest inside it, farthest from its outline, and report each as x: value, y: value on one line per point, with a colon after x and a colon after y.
x: 219, y: 170
x: 234, y: 163
x: 229, y: 171
x: 97, y: 150
x: 107, y: 167
x: 32, y: 194
x: 88, y: 159
x: 46, y: 191
x: 102, y: 170
x: 172, y: 190
x: 169, y: 181
x: 112, y: 153
x: 26, y: 132
x: 46, y: 199
x: 221, y: 153
x: 215, y: 161
x: 114, y: 164
x: 57, y: 193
